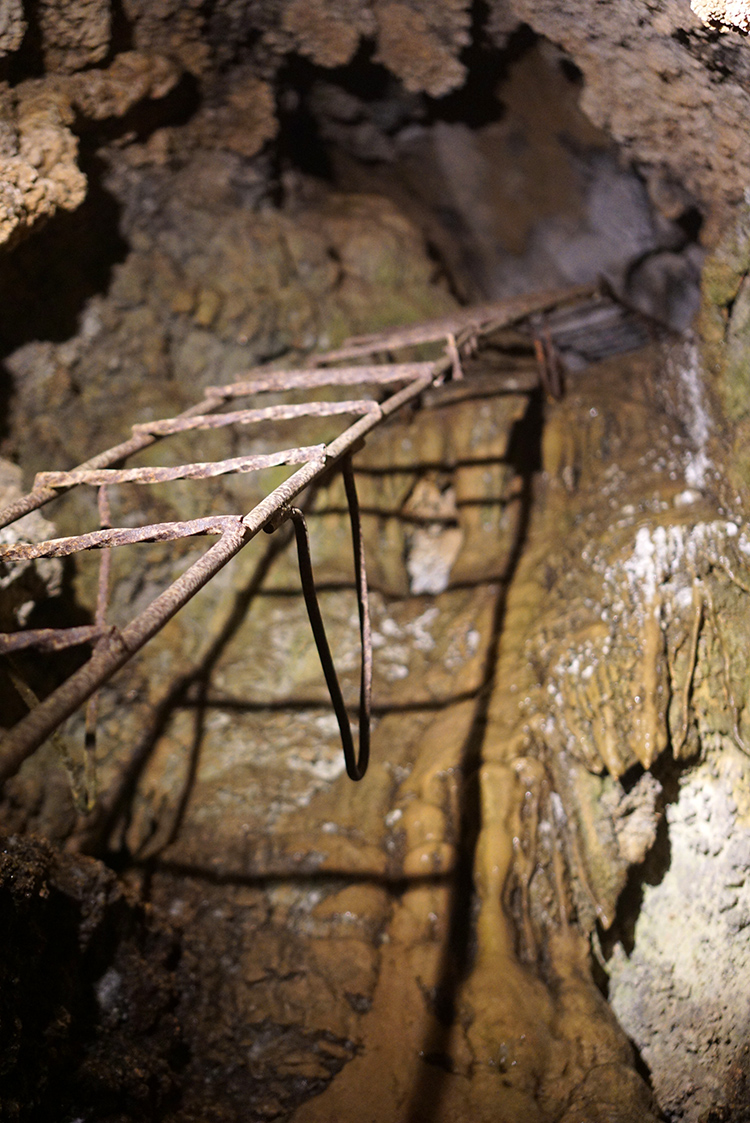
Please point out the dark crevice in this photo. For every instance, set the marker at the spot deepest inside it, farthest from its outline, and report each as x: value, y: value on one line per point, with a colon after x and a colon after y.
x: 28, y: 60
x: 476, y: 102
x: 640, y: 1066
x: 66, y: 929
x: 573, y: 73
x: 691, y: 223
x: 443, y: 161
x: 121, y: 31
x: 299, y: 144
x: 45, y: 671
x: 143, y: 119
x: 722, y: 53
x: 47, y: 280
x: 654, y: 867
x: 6, y: 401
x: 232, y: 31
x: 384, y: 102
x: 650, y: 872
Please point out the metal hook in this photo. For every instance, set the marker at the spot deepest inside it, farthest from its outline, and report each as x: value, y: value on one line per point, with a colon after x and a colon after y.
x: 356, y: 764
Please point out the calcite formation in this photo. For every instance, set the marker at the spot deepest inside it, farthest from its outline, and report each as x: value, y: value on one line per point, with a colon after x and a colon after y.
x: 718, y: 13
x: 560, y: 589
x: 39, y: 172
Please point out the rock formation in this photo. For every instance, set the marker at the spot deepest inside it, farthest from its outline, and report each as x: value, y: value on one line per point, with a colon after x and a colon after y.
x: 546, y: 863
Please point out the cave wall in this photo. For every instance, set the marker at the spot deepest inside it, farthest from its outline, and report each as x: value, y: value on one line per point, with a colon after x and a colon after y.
x: 182, y: 103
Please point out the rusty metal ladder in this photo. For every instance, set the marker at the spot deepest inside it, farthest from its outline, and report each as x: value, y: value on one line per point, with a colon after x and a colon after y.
x: 112, y: 647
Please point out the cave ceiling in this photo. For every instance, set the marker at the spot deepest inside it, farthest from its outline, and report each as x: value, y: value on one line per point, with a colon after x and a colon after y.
x: 669, y: 90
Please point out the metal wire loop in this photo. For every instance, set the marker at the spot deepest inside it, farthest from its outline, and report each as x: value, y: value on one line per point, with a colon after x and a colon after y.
x: 356, y: 763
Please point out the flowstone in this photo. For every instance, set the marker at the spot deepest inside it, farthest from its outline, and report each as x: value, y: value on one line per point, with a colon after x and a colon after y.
x: 525, y: 709
x: 556, y: 651
x: 634, y: 623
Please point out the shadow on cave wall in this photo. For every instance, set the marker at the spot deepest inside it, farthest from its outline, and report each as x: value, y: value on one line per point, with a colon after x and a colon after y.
x: 356, y: 128
x: 524, y: 456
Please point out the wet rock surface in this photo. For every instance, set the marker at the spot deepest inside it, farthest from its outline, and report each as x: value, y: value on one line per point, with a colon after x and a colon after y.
x: 560, y: 589
x: 637, y: 841
x: 314, y: 912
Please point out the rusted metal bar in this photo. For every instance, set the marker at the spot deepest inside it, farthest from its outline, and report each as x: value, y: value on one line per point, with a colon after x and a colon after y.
x: 116, y: 649
x: 360, y: 428
x: 482, y: 319
x: 113, y: 648
x: 485, y: 318
x: 310, y: 378
x: 33, y: 730
x: 197, y: 471
x: 50, y: 639
x: 102, y: 604
x: 118, y: 536
x: 37, y: 498
x: 253, y: 416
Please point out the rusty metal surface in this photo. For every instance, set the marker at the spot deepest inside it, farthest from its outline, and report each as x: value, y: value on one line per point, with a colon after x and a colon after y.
x: 198, y: 471
x: 112, y: 647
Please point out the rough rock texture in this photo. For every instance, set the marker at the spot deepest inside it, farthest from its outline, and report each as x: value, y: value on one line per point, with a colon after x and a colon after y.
x: 725, y: 333
x: 535, y: 198
x: 680, y: 564
x: 87, y: 991
x: 22, y: 584
x: 675, y: 97
x: 321, y: 912
x: 111, y: 91
x: 419, y: 43
x: 675, y: 987
x: 719, y: 13
x: 235, y: 798
x: 658, y: 625
x: 328, y: 33
x: 38, y: 158
x: 74, y: 35
x: 12, y: 25
x: 670, y: 91
x: 553, y: 654
x: 211, y: 288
